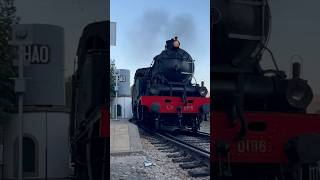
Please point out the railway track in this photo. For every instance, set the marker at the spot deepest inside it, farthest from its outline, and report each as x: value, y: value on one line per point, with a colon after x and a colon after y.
x: 199, y: 139
x: 190, y: 156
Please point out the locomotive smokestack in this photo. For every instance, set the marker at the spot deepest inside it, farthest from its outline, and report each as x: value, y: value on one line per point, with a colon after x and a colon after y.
x: 176, y: 43
x: 296, y: 70
x: 173, y: 43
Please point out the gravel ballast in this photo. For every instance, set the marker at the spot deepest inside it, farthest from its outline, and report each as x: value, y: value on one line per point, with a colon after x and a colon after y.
x: 132, y: 166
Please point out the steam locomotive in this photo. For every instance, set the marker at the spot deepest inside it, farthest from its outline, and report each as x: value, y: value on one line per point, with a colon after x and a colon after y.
x: 89, y: 117
x: 260, y: 128
x: 163, y: 97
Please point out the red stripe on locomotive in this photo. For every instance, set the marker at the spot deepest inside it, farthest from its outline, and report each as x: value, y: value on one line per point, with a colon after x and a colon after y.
x: 105, y: 123
x: 265, y: 145
x: 169, y: 104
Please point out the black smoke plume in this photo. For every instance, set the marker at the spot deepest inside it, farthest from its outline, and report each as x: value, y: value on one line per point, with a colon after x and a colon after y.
x: 148, y: 35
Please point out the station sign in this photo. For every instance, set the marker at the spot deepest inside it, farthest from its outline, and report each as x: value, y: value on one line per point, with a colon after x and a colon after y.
x: 32, y: 54
x: 121, y: 78
x: 36, y: 54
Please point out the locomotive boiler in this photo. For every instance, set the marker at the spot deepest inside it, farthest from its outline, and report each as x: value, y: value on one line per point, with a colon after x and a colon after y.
x: 259, y: 120
x: 164, y: 97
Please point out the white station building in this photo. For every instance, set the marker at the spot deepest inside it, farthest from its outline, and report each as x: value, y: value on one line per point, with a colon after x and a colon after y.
x: 45, y: 117
x: 121, y: 106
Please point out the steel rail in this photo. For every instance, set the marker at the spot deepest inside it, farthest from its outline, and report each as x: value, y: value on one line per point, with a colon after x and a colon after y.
x: 205, y: 155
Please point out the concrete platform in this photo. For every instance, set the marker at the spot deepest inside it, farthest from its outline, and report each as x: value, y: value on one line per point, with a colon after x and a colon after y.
x: 124, y: 137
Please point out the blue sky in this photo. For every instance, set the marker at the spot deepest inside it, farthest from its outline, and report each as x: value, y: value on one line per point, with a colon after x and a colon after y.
x: 143, y: 26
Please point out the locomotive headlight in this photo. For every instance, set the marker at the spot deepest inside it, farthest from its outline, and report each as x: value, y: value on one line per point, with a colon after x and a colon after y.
x: 203, y: 91
x: 298, y: 94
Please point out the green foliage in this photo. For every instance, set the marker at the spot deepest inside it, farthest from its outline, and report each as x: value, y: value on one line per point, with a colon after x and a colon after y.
x: 112, y: 80
x: 7, y: 97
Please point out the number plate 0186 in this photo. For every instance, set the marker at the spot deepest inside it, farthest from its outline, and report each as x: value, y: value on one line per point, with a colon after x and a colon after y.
x: 252, y: 146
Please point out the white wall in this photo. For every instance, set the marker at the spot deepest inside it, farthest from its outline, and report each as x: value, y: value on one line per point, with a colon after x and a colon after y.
x: 35, y: 124
x: 125, y: 103
x: 58, y: 145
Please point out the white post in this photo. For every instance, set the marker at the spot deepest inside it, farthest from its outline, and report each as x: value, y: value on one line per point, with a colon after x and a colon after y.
x: 20, y: 90
x: 20, y: 93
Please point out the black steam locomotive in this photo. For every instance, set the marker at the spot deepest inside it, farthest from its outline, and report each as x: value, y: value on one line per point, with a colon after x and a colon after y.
x: 163, y: 96
x: 259, y: 121
x: 89, y: 118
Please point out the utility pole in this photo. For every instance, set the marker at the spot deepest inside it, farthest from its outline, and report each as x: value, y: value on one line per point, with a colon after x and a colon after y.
x: 20, y: 43
x: 19, y: 90
x: 20, y: 82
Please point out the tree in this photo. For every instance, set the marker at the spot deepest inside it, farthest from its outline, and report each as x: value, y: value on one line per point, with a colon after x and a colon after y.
x: 112, y: 80
x: 7, y: 97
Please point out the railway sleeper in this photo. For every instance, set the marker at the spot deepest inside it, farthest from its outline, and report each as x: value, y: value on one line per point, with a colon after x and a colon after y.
x: 182, y: 159
x: 156, y: 142
x: 176, y: 155
x: 199, y: 172
x: 191, y: 165
x: 161, y: 146
x: 173, y: 150
x: 166, y: 147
